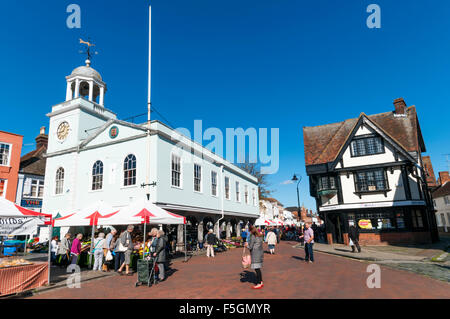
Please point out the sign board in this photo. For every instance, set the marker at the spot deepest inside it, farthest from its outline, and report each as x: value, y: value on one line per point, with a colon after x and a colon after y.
x: 15, y: 226
x: 365, y: 224
x: 33, y: 203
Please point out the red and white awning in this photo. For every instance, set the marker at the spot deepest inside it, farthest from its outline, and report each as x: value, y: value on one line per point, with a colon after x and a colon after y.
x: 91, y: 215
x: 143, y: 211
x: 10, y: 209
x: 264, y: 222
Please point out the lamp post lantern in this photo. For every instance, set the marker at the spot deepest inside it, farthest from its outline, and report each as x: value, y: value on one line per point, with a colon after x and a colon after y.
x: 298, y: 180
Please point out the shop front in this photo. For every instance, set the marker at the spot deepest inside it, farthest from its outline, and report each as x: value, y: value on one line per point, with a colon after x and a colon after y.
x: 380, y: 226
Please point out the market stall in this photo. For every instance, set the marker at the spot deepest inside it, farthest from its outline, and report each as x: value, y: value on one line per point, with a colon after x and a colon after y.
x: 264, y: 222
x: 88, y: 216
x: 142, y: 211
x: 17, y: 275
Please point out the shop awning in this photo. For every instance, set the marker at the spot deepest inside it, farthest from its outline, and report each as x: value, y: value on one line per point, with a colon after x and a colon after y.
x: 88, y: 216
x: 143, y: 211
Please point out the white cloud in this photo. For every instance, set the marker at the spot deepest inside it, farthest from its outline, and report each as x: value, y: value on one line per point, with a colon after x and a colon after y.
x: 287, y: 182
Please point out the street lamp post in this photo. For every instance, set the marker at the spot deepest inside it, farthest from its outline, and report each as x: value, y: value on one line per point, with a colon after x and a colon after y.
x: 295, y: 179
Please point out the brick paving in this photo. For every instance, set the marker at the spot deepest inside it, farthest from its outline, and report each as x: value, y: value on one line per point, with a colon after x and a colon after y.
x: 286, y: 276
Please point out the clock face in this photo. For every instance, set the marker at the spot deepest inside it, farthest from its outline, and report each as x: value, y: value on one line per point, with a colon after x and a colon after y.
x: 63, y: 131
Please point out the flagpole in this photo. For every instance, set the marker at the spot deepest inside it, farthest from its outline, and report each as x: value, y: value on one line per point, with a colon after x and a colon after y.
x: 148, y: 114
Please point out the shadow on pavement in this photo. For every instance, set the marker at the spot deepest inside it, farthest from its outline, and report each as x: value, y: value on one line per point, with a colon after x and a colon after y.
x: 299, y: 258
x: 248, y: 276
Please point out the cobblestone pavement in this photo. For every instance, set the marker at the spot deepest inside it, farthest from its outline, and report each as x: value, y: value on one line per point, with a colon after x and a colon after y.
x: 285, y: 275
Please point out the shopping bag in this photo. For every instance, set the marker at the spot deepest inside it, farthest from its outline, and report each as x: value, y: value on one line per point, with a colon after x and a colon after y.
x: 109, y: 256
x: 246, y: 259
x: 350, y: 242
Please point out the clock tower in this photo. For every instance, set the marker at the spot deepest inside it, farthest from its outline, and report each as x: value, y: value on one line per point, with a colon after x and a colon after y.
x: 83, y: 111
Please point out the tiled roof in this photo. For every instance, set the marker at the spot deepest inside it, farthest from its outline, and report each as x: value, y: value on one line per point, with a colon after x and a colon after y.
x: 323, y: 143
x: 442, y: 191
x: 34, y: 162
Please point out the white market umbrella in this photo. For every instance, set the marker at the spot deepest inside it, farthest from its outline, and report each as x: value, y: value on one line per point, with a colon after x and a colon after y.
x: 142, y: 211
x: 10, y: 209
x: 88, y: 216
x: 264, y: 222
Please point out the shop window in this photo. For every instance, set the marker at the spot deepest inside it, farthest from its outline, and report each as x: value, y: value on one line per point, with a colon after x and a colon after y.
x: 129, y: 170
x: 4, y: 154
x: 374, y: 221
x: 417, y: 220
x: 400, y: 220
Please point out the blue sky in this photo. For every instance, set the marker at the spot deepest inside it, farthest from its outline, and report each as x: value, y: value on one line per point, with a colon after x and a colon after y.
x: 266, y: 63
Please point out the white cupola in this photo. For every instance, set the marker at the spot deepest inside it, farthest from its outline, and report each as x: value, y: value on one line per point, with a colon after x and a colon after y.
x: 86, y: 82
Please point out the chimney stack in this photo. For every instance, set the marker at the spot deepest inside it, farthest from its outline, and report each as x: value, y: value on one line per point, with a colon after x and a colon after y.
x: 443, y: 178
x: 400, y: 107
x: 42, y: 138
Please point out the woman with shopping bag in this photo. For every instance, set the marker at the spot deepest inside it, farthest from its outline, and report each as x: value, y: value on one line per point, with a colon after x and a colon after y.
x: 255, y: 245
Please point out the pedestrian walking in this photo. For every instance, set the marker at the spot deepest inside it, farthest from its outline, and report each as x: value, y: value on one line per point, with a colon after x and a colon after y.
x: 257, y: 254
x: 98, y: 251
x: 124, y: 248
x: 308, y: 236
x: 53, y: 249
x: 353, y: 235
x: 107, y: 248
x: 160, y: 254
x: 63, y: 254
x: 210, y: 241
x: 271, y: 241
x: 75, y: 250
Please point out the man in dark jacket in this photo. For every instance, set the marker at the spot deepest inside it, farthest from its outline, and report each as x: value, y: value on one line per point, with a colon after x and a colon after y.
x: 160, y: 254
x: 353, y: 234
x: 210, y: 241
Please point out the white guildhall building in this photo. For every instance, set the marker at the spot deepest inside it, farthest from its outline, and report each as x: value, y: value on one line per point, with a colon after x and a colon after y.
x: 93, y: 156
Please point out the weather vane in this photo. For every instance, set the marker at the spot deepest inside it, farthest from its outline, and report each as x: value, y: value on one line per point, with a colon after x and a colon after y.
x: 88, y: 49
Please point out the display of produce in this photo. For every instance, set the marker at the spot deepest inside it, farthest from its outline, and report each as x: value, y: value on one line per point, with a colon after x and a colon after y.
x: 14, y: 262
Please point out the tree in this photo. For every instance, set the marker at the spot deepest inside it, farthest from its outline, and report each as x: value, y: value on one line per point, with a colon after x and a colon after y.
x: 255, y: 170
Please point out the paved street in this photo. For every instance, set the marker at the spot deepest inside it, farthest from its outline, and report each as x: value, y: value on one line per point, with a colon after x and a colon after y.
x: 284, y: 275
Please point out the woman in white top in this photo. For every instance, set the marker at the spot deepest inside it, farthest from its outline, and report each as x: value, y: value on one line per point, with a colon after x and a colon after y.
x: 54, y: 248
x: 271, y: 241
x: 98, y: 251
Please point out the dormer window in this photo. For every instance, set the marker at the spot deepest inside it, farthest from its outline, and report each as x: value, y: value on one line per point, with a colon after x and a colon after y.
x: 367, y: 146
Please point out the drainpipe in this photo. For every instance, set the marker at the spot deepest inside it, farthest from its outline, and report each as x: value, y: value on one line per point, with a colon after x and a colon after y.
x: 222, y: 195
